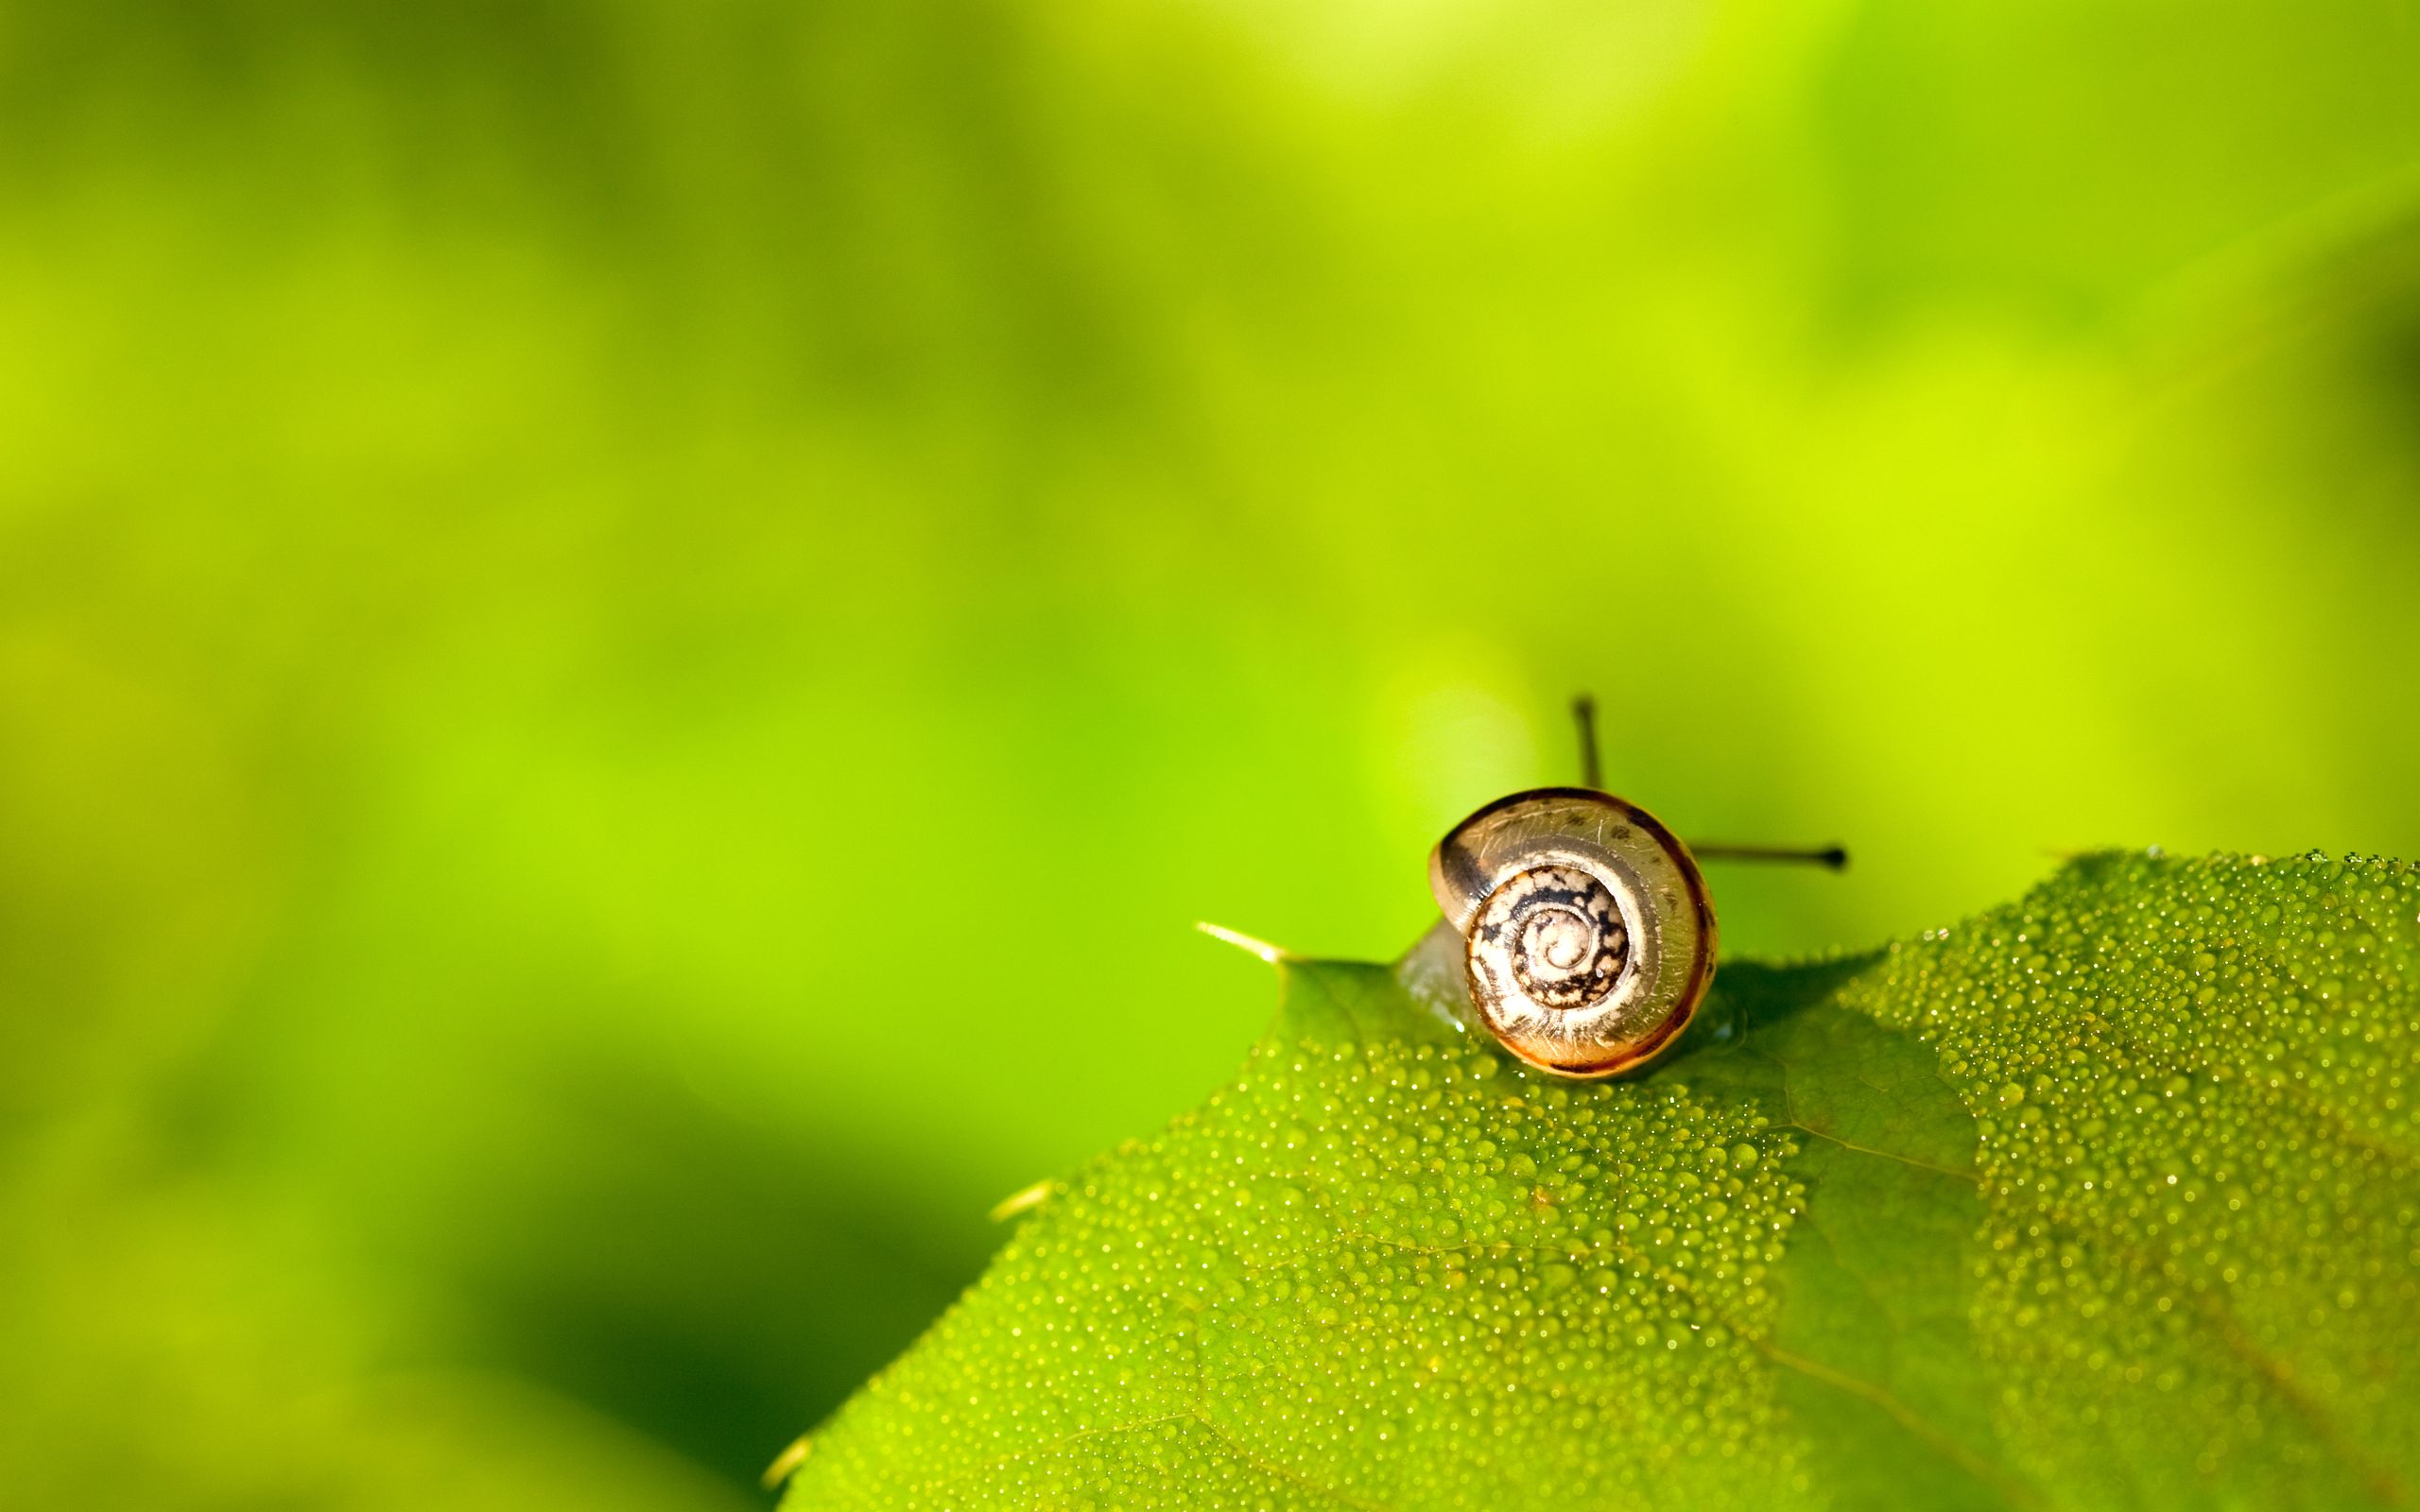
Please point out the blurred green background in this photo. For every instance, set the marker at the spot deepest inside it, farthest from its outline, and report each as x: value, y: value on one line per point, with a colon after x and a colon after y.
x: 630, y: 634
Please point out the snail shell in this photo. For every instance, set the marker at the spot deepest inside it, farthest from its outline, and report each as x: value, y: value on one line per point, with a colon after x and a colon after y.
x: 1588, y: 933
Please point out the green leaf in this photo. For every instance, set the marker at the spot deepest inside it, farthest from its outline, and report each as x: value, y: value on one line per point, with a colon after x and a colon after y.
x: 2102, y: 1199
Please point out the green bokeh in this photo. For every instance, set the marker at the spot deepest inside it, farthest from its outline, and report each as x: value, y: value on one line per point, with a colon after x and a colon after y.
x: 629, y: 634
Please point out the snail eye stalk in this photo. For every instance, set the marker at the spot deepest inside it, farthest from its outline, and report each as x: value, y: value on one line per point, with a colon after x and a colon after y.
x: 1584, y: 713
x: 1592, y: 775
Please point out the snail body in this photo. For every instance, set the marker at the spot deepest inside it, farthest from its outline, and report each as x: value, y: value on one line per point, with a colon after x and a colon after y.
x: 1589, y: 931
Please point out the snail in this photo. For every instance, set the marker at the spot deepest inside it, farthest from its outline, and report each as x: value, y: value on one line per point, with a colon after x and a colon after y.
x: 1588, y: 932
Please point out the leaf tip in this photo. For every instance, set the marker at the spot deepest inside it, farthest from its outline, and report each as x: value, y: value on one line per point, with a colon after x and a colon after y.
x: 786, y: 1464
x: 1273, y: 955
x: 1024, y: 1200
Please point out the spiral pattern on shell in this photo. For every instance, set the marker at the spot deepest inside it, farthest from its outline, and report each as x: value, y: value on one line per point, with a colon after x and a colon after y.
x: 1555, y: 935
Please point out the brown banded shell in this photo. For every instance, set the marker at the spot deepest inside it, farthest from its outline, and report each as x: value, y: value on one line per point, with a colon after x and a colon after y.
x: 1588, y: 935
